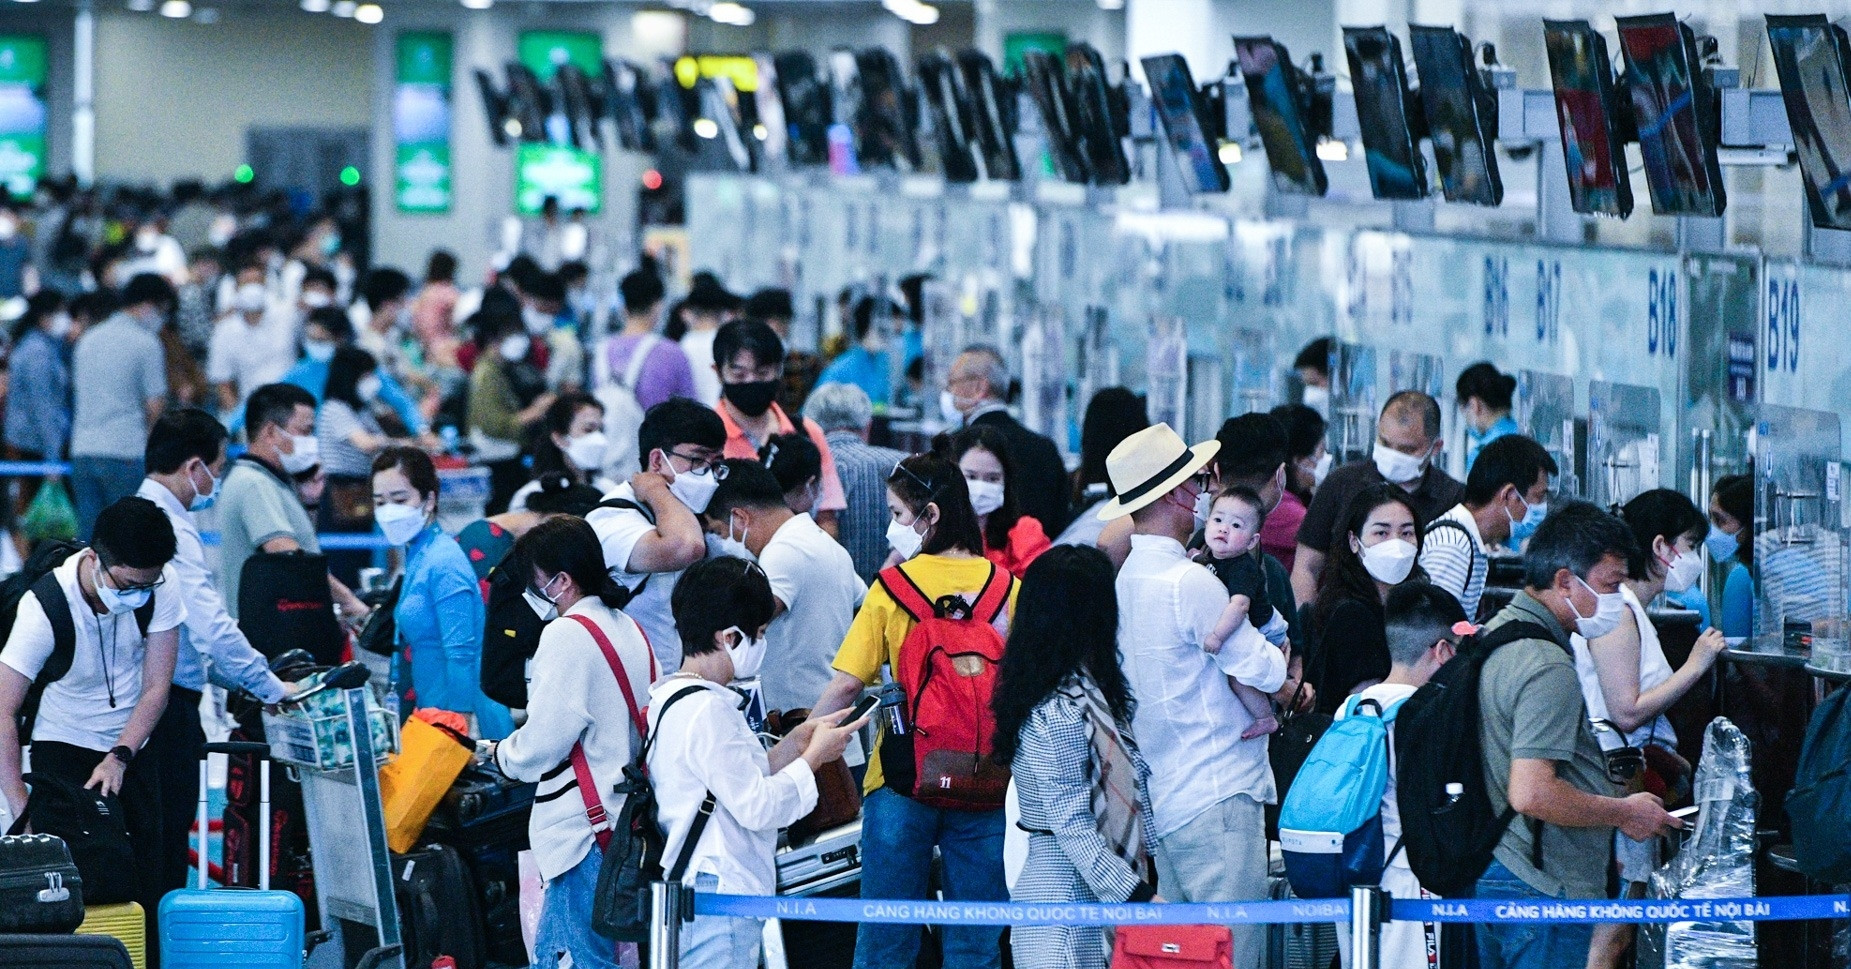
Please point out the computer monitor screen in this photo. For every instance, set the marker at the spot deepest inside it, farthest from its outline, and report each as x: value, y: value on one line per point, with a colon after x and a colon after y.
x: 1391, y: 150
x: 887, y: 123
x: 804, y: 92
x: 1811, y: 56
x: 1675, y: 111
x: 1452, y: 95
x: 951, y: 116
x: 1098, y: 118
x: 1586, y: 111
x: 1046, y: 81
x: 1179, y: 108
x: 1278, y: 115
x: 992, y: 105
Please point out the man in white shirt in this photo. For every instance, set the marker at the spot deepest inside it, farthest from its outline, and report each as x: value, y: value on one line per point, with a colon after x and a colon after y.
x: 1207, y: 785
x: 110, y: 612
x: 1509, y: 482
x: 186, y: 458
x: 650, y: 526
x: 251, y: 346
x: 813, y: 582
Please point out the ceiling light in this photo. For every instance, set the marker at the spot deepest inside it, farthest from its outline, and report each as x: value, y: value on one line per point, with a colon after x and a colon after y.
x: 176, y: 9
x: 912, y: 11
x: 1229, y: 153
x: 728, y: 12
x: 343, y: 8
x: 369, y: 13
x: 478, y: 4
x: 28, y: 1
x: 1111, y: 4
x: 316, y: 6
x: 706, y: 127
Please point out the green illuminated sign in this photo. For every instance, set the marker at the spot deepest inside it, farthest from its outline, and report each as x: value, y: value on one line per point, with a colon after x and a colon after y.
x: 421, y: 124
x: 543, y: 51
x: 575, y: 178
x: 22, y: 113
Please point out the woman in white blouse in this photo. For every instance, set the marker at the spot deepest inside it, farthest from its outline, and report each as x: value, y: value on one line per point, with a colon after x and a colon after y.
x: 593, y: 667
x: 709, y: 768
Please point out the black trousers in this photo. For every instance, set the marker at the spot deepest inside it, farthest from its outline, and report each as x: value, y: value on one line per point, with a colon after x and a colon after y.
x: 173, y: 752
x: 141, y: 802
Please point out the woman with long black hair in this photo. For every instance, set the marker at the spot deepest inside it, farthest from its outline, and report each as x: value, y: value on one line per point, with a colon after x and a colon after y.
x: 1377, y: 549
x: 569, y: 441
x: 1063, y: 726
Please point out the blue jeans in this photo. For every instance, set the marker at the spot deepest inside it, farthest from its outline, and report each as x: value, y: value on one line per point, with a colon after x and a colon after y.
x: 897, y: 837
x: 1526, y: 945
x: 719, y: 941
x: 565, y: 921
x: 97, y: 483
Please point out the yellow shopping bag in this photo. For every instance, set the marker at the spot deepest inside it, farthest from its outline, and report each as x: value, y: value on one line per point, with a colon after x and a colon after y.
x: 429, y: 760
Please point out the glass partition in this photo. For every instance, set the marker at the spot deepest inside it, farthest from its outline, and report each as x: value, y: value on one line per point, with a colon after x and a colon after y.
x: 1546, y: 412
x: 1799, y: 540
x: 1622, y: 442
x: 1352, y: 401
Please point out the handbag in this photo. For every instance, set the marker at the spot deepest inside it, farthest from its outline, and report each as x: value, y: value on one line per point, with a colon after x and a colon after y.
x: 284, y: 603
x: 380, y: 634
x: 91, y: 825
x: 430, y: 759
x: 1173, y: 947
x: 838, y: 797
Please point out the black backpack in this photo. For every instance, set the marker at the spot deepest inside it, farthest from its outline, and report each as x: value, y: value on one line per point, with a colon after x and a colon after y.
x: 1821, y: 796
x: 92, y: 826
x: 35, y: 577
x: 1449, y: 836
x: 620, y: 907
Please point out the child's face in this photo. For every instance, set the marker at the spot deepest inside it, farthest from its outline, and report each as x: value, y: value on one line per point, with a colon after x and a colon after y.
x: 1232, y: 528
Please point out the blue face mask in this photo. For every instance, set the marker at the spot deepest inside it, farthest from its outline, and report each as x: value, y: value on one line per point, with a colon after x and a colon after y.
x: 1520, y: 531
x: 1721, y: 545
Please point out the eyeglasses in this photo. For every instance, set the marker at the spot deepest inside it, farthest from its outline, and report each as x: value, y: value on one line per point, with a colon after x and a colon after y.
x: 698, y: 464
x: 118, y: 584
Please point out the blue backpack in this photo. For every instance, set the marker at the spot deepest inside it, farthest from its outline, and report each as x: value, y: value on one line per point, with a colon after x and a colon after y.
x: 1330, y: 827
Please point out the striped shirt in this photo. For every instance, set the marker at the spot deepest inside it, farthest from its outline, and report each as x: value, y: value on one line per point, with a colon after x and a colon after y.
x: 862, y: 527
x: 1453, y: 556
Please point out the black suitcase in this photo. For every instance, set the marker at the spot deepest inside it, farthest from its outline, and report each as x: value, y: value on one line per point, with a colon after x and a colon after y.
x: 437, y: 908
x: 40, y: 889
x: 63, y: 952
x: 484, y: 817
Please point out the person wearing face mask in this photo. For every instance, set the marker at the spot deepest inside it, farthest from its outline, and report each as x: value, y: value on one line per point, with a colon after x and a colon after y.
x: 114, y: 604
x: 1541, y: 758
x: 1407, y: 441
x: 119, y: 388
x: 250, y: 346
x: 1484, y: 396
x: 1308, y: 464
x: 595, y: 669
x: 543, y: 300
x: 749, y: 358
x: 1627, y: 681
x: 1380, y: 549
x: 438, y: 618
x: 1507, y: 486
x: 1313, y: 368
x: 350, y: 436
x: 317, y: 291
x: 813, y: 581
x: 1731, y: 545
x: 198, y: 308
x: 507, y: 393
x: 185, y: 460
x: 934, y: 531
x: 324, y: 331
x: 721, y: 795
x: 695, y: 323
x: 38, y: 415
x: 649, y: 526
x: 569, y: 442
x: 1011, y: 539
x: 977, y: 391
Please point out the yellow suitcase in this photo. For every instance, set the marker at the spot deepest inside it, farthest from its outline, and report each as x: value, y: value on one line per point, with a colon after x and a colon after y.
x: 125, y: 922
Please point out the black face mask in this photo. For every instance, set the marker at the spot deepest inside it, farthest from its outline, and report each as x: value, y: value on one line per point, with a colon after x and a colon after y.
x: 753, y: 398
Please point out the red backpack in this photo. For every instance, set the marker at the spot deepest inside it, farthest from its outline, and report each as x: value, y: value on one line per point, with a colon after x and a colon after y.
x: 947, y: 674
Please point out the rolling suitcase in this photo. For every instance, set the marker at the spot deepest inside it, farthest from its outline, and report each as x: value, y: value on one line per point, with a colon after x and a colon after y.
x: 252, y: 928
x: 40, y: 889
x: 484, y: 817
x: 1298, y: 945
x: 831, y: 859
x: 125, y: 922
x: 437, y: 908
x: 63, y: 952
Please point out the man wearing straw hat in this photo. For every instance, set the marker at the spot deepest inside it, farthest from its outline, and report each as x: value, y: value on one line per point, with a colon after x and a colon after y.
x: 1206, y: 784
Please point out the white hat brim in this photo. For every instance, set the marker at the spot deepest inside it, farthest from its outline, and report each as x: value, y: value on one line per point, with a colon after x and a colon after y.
x: 1200, y: 455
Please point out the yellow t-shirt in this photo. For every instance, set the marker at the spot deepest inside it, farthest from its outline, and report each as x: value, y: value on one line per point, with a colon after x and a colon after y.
x: 880, y: 628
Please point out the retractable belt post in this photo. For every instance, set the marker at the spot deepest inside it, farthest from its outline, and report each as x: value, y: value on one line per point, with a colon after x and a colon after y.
x: 1366, y: 914
x: 670, y: 904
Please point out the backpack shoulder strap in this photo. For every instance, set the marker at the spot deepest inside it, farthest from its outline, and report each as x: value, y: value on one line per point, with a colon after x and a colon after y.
x: 635, y: 506
x: 616, y: 664
x: 1510, y: 632
x: 144, y: 614
x: 994, y: 597
x: 907, y: 594
x: 57, y: 606
x: 639, y: 357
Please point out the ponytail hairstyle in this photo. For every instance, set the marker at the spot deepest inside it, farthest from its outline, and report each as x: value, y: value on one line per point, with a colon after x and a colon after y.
x: 567, y: 544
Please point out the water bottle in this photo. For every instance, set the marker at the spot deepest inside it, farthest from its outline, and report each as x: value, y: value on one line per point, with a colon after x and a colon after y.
x: 891, y: 697
x: 1454, y: 791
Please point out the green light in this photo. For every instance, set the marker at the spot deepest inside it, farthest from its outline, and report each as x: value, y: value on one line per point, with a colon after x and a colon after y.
x: 350, y: 176
x: 244, y: 175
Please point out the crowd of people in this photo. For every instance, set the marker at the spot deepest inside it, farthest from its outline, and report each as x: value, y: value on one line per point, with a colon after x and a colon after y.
x: 689, y: 505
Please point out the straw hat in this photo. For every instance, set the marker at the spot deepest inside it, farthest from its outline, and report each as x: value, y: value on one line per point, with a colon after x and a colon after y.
x: 1148, y: 465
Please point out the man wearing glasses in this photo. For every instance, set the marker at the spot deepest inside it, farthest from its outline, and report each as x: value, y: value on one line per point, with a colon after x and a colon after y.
x: 650, y: 527
x: 108, y: 613
x: 749, y: 358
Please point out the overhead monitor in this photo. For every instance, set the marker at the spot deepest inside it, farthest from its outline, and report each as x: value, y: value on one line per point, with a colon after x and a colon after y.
x: 951, y: 116
x: 581, y: 106
x: 1812, y: 57
x: 1458, y: 109
x: 1099, y: 116
x: 1047, y: 87
x: 1676, y: 112
x: 804, y: 93
x: 720, y: 130
x: 888, y: 116
x: 628, y: 100
x: 993, y: 115
x: 501, y: 122
x: 1589, y: 116
x: 1184, y: 116
x: 1391, y: 146
x: 1279, y: 115
x: 772, y: 131
x: 528, y: 103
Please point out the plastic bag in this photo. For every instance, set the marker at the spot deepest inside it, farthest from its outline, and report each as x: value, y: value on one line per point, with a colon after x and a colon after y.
x: 1717, y: 862
x: 50, y: 517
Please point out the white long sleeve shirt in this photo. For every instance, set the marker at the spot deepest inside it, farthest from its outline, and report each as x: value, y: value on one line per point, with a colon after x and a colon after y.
x: 209, y: 634
x: 708, y: 747
x: 1188, y: 721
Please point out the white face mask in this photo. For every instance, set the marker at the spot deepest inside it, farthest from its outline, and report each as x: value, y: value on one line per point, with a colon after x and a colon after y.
x: 1395, y: 467
x: 367, y: 388
x: 513, y: 347
x: 115, y: 601
x: 735, y: 547
x: 985, y: 496
x: 695, y: 490
x: 61, y: 325
x: 1608, y: 609
x: 320, y: 351
x: 399, y: 523
x: 1683, y: 572
x: 315, y: 299
x: 1204, y: 506
x: 203, y: 500
x: 948, y: 408
x: 748, y: 656
x: 1322, y: 471
x: 587, y: 450
x: 252, y: 298
x: 904, y: 539
x: 1318, y: 399
x: 543, y: 605
x: 306, y: 455
x: 1390, y: 561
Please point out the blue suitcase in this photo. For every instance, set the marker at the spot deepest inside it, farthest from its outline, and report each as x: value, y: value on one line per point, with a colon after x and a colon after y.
x: 251, y: 928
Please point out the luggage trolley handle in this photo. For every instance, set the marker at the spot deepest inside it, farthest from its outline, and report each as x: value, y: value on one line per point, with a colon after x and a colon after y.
x: 261, y: 751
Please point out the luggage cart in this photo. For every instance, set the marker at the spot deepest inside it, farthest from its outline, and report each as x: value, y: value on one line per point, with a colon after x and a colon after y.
x: 334, y: 745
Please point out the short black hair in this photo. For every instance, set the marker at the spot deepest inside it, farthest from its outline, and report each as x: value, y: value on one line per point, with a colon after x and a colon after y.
x: 320, y: 276
x: 149, y: 289
x: 333, y: 319
x: 1304, y: 428
x: 1315, y: 356
x: 770, y: 304
x: 572, y: 271
x: 134, y: 532
x: 1513, y: 460
x: 1575, y: 536
x: 382, y: 286
x: 273, y: 404
x: 748, y: 336
x: 181, y: 435
x: 706, y: 294
x: 1662, y: 513
x: 441, y: 268
x: 792, y: 459
x: 345, y: 370
x: 1417, y: 615
x: 1253, y: 446
x: 1484, y: 381
x: 718, y: 594
x: 862, y: 318
x: 748, y: 484
x: 677, y: 421
x: 546, y: 286
x: 1246, y: 496
x: 641, y: 290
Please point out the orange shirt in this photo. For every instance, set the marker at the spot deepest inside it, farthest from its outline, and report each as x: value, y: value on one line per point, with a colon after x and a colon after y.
x: 738, y: 445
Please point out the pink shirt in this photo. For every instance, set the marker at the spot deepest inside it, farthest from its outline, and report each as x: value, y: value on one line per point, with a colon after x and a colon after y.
x: 1279, y: 536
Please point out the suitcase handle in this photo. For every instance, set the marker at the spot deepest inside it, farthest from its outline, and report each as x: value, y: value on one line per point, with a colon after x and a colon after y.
x: 261, y: 751
x: 235, y: 747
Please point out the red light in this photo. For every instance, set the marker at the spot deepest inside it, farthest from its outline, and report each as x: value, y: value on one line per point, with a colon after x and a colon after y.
x: 652, y: 179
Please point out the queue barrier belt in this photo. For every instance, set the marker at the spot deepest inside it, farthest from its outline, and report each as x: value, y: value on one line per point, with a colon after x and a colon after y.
x: 914, y: 912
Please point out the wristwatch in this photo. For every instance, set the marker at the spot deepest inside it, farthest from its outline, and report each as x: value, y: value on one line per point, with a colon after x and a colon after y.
x: 123, y: 754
